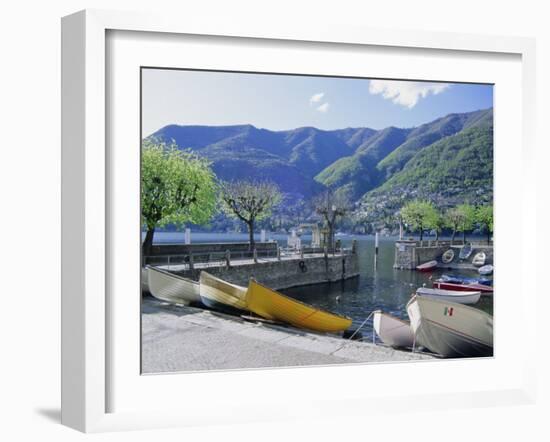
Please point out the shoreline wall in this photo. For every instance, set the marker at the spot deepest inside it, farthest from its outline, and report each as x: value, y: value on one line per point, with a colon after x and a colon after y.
x: 409, y: 254
x: 287, y: 273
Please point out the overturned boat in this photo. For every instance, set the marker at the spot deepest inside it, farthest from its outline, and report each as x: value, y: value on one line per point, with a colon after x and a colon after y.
x: 275, y: 306
x: 450, y: 329
x: 222, y: 295
x: 393, y: 331
x: 427, y: 266
x: 170, y: 287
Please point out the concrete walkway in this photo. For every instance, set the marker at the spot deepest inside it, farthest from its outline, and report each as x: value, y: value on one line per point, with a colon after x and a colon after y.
x: 236, y: 262
x: 189, y: 339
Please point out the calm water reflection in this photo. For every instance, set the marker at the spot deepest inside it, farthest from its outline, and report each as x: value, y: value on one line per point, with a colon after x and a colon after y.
x: 381, y: 288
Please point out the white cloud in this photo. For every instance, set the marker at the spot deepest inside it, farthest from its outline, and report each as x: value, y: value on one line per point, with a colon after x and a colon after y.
x: 316, y: 98
x: 323, y: 107
x: 405, y: 93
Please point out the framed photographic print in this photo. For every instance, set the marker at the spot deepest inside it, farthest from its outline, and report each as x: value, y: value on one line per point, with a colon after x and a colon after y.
x: 290, y: 212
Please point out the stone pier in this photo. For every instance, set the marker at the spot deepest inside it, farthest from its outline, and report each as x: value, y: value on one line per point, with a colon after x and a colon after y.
x: 410, y: 253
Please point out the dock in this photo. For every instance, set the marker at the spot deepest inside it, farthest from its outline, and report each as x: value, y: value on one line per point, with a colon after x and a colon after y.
x: 269, y: 265
x: 411, y: 253
x: 182, y: 338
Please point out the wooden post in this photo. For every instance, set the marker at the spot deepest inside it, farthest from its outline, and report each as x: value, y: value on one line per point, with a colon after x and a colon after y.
x: 375, y: 249
x: 278, y: 253
x: 228, y: 258
x: 302, y: 252
x: 354, y: 247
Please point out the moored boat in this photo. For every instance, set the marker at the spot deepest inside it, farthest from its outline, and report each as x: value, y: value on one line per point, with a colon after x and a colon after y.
x: 222, y: 295
x: 427, y: 266
x: 392, y: 331
x: 448, y: 256
x: 486, y: 270
x: 484, y: 289
x: 479, y: 259
x: 450, y: 295
x: 273, y: 305
x: 464, y: 280
x: 465, y: 251
x: 170, y: 287
x: 450, y: 329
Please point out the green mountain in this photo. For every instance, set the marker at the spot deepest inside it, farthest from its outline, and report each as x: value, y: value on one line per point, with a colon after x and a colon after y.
x: 448, y: 160
x: 429, y: 133
x: 450, y: 171
x: 356, y: 174
x: 389, y: 150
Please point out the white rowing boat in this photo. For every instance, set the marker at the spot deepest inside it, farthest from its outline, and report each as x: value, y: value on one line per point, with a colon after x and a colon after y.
x: 486, y: 270
x: 450, y: 329
x: 169, y: 287
x: 393, y: 331
x: 479, y: 259
x: 448, y: 256
x: 450, y: 295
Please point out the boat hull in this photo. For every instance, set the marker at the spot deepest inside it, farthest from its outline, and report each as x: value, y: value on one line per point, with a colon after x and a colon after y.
x: 222, y: 295
x: 166, y: 286
x: 450, y: 329
x: 393, y: 331
x: 486, y: 270
x: 273, y: 305
x: 427, y: 266
x: 484, y: 289
x: 450, y: 295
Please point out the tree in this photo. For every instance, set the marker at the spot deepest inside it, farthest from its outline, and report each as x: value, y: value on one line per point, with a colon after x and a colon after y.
x: 176, y: 187
x: 484, y: 217
x: 468, y: 218
x: 436, y: 222
x: 453, y: 219
x: 331, y: 206
x: 418, y: 215
x: 249, y: 201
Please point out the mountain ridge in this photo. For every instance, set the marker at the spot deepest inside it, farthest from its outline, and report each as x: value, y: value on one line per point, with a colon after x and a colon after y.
x: 306, y: 160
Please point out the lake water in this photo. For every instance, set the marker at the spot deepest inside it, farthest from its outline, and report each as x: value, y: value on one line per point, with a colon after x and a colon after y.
x: 381, y: 288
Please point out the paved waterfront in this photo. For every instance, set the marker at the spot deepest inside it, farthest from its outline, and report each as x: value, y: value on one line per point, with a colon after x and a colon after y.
x: 189, y: 339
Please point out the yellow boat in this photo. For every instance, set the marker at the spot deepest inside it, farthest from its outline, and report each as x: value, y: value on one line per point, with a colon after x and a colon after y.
x: 274, y: 305
x: 222, y: 295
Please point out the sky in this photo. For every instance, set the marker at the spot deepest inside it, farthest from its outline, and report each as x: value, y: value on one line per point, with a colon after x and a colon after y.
x: 281, y: 102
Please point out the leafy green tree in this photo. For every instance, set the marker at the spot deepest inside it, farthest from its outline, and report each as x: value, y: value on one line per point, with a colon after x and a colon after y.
x: 436, y: 221
x: 176, y: 187
x: 467, y: 218
x: 453, y: 220
x: 249, y: 201
x: 418, y: 215
x: 484, y: 217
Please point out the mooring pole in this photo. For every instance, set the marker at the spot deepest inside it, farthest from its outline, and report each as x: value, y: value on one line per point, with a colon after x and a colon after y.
x: 375, y: 249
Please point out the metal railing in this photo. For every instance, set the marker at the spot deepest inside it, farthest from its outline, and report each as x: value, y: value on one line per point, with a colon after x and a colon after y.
x: 190, y: 261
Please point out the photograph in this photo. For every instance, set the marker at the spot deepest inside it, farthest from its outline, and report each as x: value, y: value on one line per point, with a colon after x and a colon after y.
x: 292, y: 220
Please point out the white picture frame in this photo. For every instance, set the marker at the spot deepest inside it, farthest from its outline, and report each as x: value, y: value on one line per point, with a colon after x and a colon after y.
x: 86, y: 316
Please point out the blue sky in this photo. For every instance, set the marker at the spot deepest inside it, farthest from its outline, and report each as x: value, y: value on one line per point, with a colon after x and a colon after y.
x: 280, y: 102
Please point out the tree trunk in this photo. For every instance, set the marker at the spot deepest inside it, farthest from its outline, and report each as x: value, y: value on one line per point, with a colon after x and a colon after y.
x: 421, y: 233
x: 148, y: 242
x: 436, y: 235
x: 464, y: 236
x: 453, y: 237
x: 251, y: 243
x: 330, y: 237
x: 488, y: 237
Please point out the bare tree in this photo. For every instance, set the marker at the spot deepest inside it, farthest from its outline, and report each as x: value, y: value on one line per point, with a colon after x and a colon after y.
x: 331, y: 206
x: 249, y: 201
